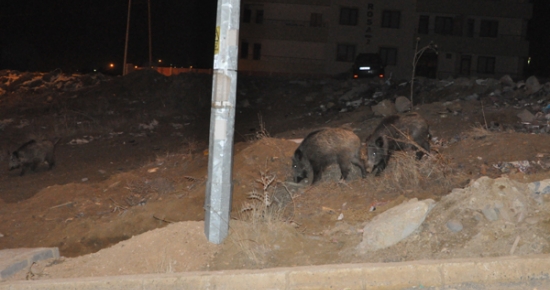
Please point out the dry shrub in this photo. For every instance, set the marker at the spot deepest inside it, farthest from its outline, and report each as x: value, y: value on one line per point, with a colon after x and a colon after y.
x: 264, y: 204
x: 405, y: 173
x: 265, y: 216
x: 261, y: 133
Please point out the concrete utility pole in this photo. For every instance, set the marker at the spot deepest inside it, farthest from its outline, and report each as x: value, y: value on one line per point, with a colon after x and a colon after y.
x: 219, y: 188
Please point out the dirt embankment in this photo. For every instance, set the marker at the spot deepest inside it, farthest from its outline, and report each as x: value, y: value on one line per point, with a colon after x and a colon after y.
x: 131, y: 172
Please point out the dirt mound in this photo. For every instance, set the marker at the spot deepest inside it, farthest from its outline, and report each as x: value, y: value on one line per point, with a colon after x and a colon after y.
x: 177, y: 247
x: 488, y: 218
x: 134, y: 156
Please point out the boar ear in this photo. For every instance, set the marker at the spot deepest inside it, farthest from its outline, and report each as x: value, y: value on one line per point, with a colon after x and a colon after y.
x: 379, y: 141
x: 298, y: 154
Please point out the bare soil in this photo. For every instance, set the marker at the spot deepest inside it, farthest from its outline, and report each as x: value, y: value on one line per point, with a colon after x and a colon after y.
x: 127, y: 193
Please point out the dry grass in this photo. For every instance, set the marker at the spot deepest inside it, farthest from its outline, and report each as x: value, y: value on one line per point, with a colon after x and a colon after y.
x: 477, y: 132
x: 405, y: 173
x: 147, y: 186
x: 40, y: 136
x: 72, y: 125
x: 143, y: 190
x: 190, y: 147
x: 265, y: 216
x: 261, y: 133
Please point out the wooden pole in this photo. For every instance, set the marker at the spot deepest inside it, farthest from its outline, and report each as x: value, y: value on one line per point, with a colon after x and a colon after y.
x: 150, y: 37
x: 124, y: 66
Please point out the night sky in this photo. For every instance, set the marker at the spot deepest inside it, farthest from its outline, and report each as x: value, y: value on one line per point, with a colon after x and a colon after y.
x: 82, y: 35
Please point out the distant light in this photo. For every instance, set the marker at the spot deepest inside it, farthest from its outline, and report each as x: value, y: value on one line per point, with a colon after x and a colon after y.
x: 135, y: 66
x: 95, y: 70
x: 528, y: 60
x: 190, y: 66
x: 160, y: 60
x: 111, y: 65
x: 364, y: 68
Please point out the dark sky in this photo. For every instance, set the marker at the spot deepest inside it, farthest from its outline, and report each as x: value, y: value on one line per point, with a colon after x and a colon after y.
x: 87, y: 34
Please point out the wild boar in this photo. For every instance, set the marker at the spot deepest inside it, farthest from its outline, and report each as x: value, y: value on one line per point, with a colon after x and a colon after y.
x: 396, y: 132
x: 32, y: 154
x: 325, y: 147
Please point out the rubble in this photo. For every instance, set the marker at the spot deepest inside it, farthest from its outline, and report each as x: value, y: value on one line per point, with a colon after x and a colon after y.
x: 532, y: 85
x: 506, y: 81
x: 526, y: 116
x: 402, y: 104
x: 454, y: 225
x: 530, y: 96
x: 12, y: 81
x: 342, y: 96
x: 322, y: 97
x: 384, y: 108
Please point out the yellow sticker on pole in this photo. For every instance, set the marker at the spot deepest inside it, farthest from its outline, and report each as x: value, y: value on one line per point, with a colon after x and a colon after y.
x: 217, y: 41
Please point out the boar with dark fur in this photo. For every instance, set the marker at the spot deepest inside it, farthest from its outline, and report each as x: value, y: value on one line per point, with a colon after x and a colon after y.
x: 325, y: 147
x: 396, y: 133
x: 32, y: 154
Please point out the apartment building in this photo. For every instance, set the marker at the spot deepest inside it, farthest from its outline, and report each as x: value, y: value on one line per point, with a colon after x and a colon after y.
x: 485, y: 38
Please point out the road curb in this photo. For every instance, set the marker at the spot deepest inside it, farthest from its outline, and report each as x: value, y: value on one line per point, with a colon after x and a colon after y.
x: 15, y: 260
x: 433, y: 273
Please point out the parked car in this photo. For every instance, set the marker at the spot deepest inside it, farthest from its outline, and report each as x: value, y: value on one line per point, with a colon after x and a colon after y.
x: 368, y: 65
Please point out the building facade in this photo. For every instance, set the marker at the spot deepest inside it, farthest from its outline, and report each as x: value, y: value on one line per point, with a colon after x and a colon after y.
x: 485, y: 38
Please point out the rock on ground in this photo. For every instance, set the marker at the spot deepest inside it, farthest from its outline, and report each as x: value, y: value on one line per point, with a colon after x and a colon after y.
x: 395, y: 224
x: 384, y: 108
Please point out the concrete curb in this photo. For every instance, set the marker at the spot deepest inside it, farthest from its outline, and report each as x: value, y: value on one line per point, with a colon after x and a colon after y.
x: 433, y: 273
x: 15, y: 260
